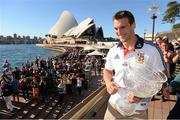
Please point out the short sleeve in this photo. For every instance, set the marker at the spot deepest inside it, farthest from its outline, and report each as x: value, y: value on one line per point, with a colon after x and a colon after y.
x: 108, y: 64
x: 157, y: 60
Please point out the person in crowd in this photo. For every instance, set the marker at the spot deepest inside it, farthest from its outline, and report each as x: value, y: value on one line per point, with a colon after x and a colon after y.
x: 43, y: 89
x: 168, y: 58
x: 17, y: 73
x: 158, y: 41
x: 7, y: 92
x: 117, y: 62
x: 7, y: 72
x: 68, y: 79
x: 6, y: 65
x: 61, y: 92
x: 15, y: 88
x: 24, y: 87
x: 74, y: 84
x: 170, y: 46
x: 79, y: 85
x: 175, y: 87
x: 98, y: 66
x: 35, y: 87
x: 24, y: 71
x: 176, y: 60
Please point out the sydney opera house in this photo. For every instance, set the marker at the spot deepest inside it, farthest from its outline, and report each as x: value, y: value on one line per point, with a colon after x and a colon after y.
x: 68, y: 31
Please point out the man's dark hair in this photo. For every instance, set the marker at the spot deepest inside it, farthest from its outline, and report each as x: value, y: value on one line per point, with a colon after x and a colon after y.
x: 124, y: 14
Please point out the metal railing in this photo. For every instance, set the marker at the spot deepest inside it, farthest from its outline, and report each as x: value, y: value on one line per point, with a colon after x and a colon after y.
x: 89, y: 106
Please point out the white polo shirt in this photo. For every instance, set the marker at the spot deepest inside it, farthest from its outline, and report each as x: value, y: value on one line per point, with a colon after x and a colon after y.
x: 145, y: 52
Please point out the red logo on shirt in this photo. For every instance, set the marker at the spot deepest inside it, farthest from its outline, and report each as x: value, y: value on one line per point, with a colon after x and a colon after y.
x: 140, y: 57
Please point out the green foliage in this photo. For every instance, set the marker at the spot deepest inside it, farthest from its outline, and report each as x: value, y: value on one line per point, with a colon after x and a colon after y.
x: 176, y: 26
x: 172, y: 13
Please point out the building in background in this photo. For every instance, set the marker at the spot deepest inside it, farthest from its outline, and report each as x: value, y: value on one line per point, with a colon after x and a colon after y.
x: 66, y: 30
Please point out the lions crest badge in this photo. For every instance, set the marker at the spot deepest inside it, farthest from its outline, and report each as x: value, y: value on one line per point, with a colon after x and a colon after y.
x: 140, y: 57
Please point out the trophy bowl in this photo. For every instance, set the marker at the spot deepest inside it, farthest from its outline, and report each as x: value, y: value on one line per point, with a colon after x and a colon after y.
x: 143, y: 81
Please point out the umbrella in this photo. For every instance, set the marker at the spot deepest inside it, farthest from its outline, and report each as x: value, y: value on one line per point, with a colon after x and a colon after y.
x: 86, y: 48
x: 103, y: 47
x: 96, y: 53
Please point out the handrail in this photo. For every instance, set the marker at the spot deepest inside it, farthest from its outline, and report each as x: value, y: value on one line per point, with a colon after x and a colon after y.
x: 86, y: 106
x: 98, y: 109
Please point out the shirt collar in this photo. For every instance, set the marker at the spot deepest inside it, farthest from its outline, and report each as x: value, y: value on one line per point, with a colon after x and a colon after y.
x: 139, y: 43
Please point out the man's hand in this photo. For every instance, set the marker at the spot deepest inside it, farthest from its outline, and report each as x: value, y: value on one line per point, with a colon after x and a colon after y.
x: 132, y: 98
x: 112, y: 87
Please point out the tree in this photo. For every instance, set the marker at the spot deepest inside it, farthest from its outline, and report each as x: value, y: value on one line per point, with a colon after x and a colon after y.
x: 176, y: 26
x: 172, y: 13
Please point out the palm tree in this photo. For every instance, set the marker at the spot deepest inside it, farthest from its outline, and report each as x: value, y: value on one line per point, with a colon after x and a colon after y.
x: 172, y: 13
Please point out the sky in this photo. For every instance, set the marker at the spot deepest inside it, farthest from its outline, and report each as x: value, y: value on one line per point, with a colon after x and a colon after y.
x: 36, y: 17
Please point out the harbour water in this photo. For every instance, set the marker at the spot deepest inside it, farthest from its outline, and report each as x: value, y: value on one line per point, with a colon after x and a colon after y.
x: 20, y: 53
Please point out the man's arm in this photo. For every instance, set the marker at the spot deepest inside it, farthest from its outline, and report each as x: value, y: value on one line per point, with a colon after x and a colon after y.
x: 111, y: 86
x: 107, y: 76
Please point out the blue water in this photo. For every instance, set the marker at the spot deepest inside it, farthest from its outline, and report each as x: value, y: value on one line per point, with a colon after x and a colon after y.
x: 19, y: 54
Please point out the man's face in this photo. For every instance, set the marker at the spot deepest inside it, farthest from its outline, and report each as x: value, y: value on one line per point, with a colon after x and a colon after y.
x: 123, y: 29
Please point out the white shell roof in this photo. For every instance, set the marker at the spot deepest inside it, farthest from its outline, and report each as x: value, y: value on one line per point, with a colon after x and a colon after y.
x: 84, y: 29
x: 68, y: 26
x: 83, y: 26
x: 65, y: 22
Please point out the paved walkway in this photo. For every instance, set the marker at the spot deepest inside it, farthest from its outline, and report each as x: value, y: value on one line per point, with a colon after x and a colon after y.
x: 159, y: 109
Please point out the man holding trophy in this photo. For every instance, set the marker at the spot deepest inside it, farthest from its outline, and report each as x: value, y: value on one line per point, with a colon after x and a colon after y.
x: 133, y: 73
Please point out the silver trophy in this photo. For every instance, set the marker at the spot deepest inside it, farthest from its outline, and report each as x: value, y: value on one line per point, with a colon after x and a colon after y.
x: 141, y: 79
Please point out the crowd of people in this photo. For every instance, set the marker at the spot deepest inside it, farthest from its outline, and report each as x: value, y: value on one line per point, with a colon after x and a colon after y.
x: 64, y: 74
x: 171, y: 56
